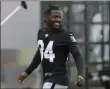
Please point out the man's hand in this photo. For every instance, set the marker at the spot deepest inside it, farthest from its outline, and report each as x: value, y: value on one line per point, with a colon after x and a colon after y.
x: 22, y: 77
x: 80, y: 81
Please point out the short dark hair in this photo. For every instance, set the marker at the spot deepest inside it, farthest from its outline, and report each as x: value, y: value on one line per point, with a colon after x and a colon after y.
x: 48, y: 11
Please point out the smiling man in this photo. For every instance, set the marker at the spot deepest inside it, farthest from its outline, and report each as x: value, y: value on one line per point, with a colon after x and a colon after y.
x: 54, y: 45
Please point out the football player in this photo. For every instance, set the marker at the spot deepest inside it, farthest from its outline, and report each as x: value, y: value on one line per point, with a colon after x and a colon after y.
x: 54, y: 45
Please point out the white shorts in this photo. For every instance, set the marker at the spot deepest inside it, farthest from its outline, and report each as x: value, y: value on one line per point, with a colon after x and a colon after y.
x: 49, y: 85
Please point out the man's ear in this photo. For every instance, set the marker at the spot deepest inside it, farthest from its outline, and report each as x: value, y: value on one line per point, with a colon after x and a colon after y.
x: 44, y: 20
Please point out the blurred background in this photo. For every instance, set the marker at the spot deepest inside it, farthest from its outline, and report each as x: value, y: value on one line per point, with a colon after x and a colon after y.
x: 88, y: 20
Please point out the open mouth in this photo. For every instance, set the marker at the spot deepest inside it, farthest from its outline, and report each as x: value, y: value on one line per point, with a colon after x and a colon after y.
x: 56, y: 25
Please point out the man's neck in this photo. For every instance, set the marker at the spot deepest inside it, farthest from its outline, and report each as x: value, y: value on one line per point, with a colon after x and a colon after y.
x: 51, y: 29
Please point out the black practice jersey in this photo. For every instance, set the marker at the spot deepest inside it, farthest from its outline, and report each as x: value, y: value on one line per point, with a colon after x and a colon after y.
x: 53, y: 49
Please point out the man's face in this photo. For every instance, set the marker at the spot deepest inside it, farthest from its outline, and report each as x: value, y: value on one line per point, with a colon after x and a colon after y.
x: 54, y: 19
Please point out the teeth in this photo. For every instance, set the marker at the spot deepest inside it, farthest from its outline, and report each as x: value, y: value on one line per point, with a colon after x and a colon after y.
x: 56, y: 23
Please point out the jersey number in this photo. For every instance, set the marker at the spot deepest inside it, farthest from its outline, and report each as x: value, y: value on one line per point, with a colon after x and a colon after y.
x: 48, y: 52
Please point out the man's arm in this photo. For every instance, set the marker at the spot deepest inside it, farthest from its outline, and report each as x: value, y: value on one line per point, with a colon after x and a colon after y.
x: 36, y: 59
x: 74, y: 50
x: 35, y: 62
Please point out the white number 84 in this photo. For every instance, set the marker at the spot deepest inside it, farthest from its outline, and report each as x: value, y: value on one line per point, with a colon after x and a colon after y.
x: 48, y: 53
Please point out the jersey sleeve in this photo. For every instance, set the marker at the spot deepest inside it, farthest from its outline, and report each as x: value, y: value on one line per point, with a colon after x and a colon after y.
x: 74, y: 50
x: 35, y: 62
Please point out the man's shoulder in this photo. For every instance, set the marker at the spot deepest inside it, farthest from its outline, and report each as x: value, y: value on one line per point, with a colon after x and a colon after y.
x: 67, y: 32
x: 41, y: 30
x: 64, y: 31
x: 69, y: 35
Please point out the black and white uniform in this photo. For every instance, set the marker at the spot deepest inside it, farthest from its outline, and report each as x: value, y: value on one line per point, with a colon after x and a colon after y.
x: 54, y: 47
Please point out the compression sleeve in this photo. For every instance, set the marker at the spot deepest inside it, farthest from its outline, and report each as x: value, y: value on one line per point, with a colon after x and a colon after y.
x: 74, y: 50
